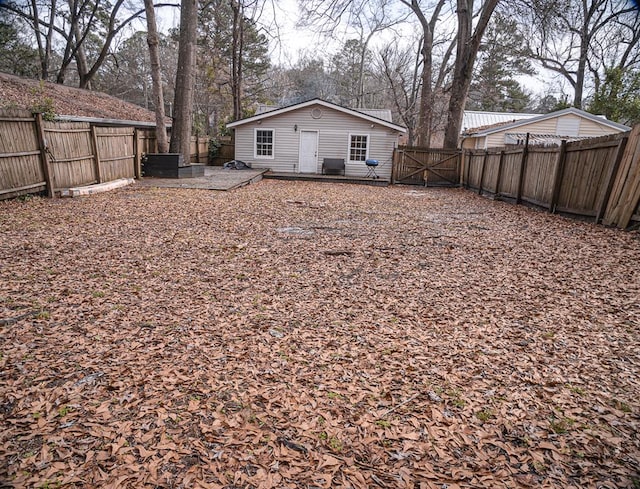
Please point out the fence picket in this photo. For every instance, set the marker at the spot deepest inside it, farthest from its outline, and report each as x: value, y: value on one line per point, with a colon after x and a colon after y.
x: 44, y: 156
x: 598, y: 178
x: 37, y: 155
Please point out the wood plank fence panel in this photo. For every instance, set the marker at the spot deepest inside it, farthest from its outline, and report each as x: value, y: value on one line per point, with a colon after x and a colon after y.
x: 537, y: 185
x: 407, y: 169
x: 226, y: 153
x: 116, y: 152
x: 474, y: 169
x: 426, y: 166
x: 71, y: 149
x: 199, y: 150
x: 491, y: 170
x: 147, y: 141
x: 587, y: 166
x: 597, y: 177
x: 443, y: 167
x: 38, y: 155
x: 509, y: 178
x: 624, y: 201
x: 20, y: 167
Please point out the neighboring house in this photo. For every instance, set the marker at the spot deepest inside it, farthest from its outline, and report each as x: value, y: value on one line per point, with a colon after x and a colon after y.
x: 567, y: 124
x: 296, y: 139
x: 477, y: 118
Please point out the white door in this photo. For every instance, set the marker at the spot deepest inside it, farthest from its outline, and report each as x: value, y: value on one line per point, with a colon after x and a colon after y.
x: 308, y: 160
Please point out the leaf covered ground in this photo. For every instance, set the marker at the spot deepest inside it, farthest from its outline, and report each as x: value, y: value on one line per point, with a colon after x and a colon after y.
x: 313, y: 335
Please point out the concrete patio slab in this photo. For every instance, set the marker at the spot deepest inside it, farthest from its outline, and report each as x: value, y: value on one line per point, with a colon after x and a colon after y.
x: 215, y: 178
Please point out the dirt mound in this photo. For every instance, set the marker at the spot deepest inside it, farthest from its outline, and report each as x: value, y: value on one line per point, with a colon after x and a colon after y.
x: 23, y: 93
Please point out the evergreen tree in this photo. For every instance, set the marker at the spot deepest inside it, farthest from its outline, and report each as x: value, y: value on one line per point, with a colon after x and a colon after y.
x: 345, y: 71
x: 618, y: 98
x: 233, y: 62
x: 17, y: 56
x: 494, y: 87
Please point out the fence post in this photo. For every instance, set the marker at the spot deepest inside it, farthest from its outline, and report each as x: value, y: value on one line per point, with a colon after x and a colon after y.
x: 137, y: 161
x: 611, y: 177
x: 404, y: 160
x: 523, y: 165
x: 484, y: 162
x: 44, y: 157
x: 499, y: 176
x: 463, y: 158
x: 394, y: 165
x: 559, y: 174
x: 467, y: 169
x: 96, y: 153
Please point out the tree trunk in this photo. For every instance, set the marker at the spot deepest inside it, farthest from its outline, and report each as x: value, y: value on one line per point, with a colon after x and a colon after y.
x: 76, y: 39
x: 81, y: 62
x: 41, y: 48
x: 363, y: 55
x: 425, y: 113
x: 467, y: 46
x: 580, y: 72
x: 426, y: 99
x: 158, y: 96
x: 236, y: 58
x: 185, y: 77
x: 49, y: 42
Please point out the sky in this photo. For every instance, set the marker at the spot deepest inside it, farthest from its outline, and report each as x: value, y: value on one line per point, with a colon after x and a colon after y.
x: 289, y: 42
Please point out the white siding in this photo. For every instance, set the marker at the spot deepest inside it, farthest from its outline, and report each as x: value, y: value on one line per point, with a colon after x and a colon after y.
x: 593, y: 129
x: 568, y: 126
x: 550, y: 126
x: 333, y: 141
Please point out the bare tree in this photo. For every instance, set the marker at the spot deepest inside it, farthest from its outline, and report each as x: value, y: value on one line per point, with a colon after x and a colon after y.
x: 156, y: 77
x: 425, y: 114
x: 468, y: 44
x: 237, y: 48
x: 372, y: 18
x: 44, y: 41
x: 428, y: 16
x: 566, y: 36
x: 72, y: 24
x: 401, y: 71
x: 185, y: 80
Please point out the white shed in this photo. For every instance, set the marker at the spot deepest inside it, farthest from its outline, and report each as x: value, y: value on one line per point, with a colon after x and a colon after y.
x: 298, y: 138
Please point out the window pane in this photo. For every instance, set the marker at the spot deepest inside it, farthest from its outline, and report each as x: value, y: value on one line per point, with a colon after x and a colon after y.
x: 358, y: 148
x: 264, y: 143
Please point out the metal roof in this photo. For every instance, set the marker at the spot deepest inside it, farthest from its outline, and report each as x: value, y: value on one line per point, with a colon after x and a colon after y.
x: 384, y: 114
x: 541, y: 117
x: 474, y: 118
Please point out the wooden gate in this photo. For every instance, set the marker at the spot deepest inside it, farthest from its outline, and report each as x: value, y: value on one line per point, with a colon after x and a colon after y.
x: 426, y: 166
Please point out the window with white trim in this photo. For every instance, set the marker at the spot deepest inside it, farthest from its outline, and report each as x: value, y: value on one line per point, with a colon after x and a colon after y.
x: 358, y: 147
x: 264, y: 140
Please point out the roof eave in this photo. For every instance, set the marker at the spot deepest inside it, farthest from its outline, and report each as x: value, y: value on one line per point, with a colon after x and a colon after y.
x: 108, y: 122
x: 543, y: 117
x: 318, y: 101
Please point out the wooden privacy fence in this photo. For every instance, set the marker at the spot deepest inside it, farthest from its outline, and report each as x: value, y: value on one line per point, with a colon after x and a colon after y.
x: 426, y: 166
x: 37, y: 155
x: 200, y: 149
x: 226, y: 153
x: 597, y: 178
